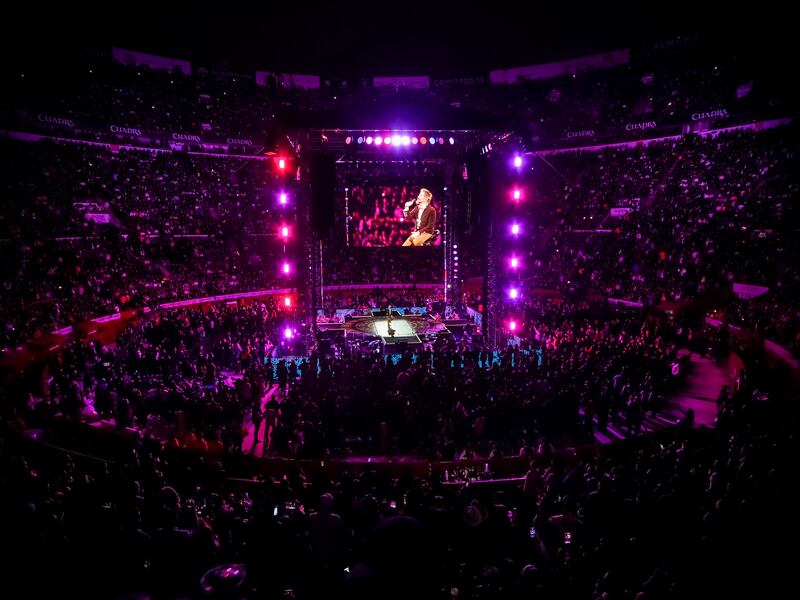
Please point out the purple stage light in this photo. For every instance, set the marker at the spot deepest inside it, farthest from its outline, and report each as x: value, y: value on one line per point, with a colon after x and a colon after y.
x: 514, y: 262
x: 378, y: 140
x: 286, y: 268
x: 369, y: 139
x: 518, y: 161
x: 287, y: 333
x: 387, y: 140
x: 515, y: 229
x: 283, y: 198
x: 513, y: 293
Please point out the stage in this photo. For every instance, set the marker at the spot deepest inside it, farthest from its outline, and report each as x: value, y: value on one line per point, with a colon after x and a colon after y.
x: 402, y: 330
x: 410, y: 331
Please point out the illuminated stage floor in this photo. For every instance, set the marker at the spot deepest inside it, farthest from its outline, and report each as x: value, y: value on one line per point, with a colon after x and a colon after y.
x: 407, y: 330
x: 402, y: 328
x: 403, y: 331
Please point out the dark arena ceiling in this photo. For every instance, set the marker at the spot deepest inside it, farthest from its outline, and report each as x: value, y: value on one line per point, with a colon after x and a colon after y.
x: 346, y: 39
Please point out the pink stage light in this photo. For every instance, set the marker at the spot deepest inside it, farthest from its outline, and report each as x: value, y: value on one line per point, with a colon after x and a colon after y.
x: 348, y: 139
x: 283, y: 198
x: 512, y: 326
x: 513, y: 293
x: 515, y: 229
x: 286, y: 267
x: 369, y: 139
x: 414, y: 140
x: 423, y: 140
x: 514, y: 262
x: 378, y: 140
x: 287, y: 333
x: 287, y: 302
x: 387, y: 140
x: 285, y: 232
x: 517, y: 194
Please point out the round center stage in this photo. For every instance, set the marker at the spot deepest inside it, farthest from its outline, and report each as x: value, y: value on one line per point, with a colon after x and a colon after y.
x: 401, y: 328
x: 398, y: 332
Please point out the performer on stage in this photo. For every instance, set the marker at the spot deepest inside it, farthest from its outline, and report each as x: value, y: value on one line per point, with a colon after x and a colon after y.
x: 424, y: 216
x: 389, y: 329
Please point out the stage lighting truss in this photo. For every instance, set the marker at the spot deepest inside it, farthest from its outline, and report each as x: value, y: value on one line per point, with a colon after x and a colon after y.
x: 399, y: 139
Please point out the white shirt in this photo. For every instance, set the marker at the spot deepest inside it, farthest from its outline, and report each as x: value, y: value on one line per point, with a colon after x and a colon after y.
x: 421, y: 210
